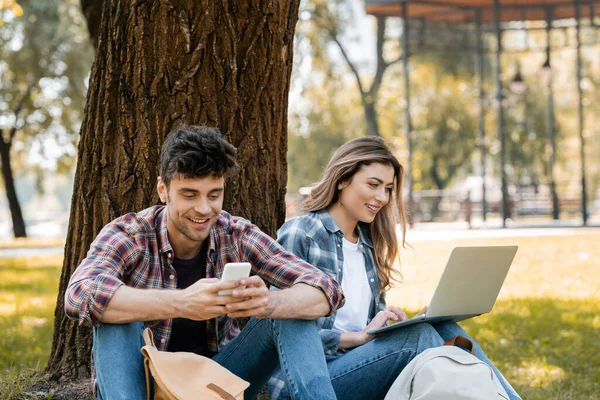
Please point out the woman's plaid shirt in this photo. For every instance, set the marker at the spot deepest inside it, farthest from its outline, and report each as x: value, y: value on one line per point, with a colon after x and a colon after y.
x: 134, y: 250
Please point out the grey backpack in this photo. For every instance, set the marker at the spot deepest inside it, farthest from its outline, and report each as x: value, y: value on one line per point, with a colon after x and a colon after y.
x: 447, y: 372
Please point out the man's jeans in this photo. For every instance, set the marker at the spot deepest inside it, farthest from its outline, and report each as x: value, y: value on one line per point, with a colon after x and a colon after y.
x: 368, y: 371
x: 253, y: 355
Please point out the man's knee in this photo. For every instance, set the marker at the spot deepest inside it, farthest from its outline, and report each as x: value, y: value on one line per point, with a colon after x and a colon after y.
x: 132, y: 330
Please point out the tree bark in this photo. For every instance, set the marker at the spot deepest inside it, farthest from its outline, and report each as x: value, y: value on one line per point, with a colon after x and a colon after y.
x: 158, y: 65
x: 11, y: 194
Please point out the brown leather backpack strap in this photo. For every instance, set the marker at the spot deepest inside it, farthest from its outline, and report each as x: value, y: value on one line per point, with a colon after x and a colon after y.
x: 220, y: 391
x: 148, y: 337
x: 147, y: 371
x: 462, y: 342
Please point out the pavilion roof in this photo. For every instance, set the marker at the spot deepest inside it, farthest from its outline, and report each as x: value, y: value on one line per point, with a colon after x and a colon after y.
x: 464, y: 11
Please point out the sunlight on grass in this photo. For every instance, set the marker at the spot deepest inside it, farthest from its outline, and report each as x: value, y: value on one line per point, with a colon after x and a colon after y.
x: 543, y: 374
x: 28, y: 289
x: 543, y: 333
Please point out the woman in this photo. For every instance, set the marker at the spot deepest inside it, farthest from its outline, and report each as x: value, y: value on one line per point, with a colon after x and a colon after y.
x: 349, y: 232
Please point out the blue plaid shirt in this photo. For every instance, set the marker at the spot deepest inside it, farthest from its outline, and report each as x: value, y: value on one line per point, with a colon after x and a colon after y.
x: 315, y: 238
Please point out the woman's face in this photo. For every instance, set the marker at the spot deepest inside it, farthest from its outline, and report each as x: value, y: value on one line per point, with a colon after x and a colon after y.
x: 369, y: 190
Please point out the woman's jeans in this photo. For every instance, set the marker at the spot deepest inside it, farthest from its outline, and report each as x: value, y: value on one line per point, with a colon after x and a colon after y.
x: 368, y: 371
x: 253, y: 355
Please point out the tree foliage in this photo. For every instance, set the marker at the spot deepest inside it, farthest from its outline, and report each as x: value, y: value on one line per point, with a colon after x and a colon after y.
x: 45, y: 59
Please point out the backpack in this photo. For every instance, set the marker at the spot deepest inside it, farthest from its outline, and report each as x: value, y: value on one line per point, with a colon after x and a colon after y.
x: 447, y: 372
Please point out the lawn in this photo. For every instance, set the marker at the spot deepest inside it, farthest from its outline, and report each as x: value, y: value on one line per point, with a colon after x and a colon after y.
x: 544, y: 331
x: 543, y: 334
x: 28, y: 289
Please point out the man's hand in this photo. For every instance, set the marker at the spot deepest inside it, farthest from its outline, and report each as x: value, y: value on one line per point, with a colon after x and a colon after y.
x: 252, y: 301
x: 201, y: 301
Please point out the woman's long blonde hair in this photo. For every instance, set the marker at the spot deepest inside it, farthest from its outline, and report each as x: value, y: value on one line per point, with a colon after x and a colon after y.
x: 345, y: 162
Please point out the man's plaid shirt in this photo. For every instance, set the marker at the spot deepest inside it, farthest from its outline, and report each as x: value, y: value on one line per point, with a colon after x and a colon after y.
x: 134, y: 250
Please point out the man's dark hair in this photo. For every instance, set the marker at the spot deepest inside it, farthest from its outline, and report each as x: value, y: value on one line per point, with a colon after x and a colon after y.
x: 195, y: 152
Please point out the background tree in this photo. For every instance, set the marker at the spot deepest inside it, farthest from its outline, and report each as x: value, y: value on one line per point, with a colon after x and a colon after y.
x: 159, y: 65
x: 43, y: 67
x: 335, y: 23
x: 322, y: 116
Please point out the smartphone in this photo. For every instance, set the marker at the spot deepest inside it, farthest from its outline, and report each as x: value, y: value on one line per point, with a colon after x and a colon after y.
x: 233, y: 272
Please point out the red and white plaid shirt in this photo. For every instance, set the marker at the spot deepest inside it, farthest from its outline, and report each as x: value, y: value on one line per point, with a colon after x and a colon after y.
x: 134, y: 250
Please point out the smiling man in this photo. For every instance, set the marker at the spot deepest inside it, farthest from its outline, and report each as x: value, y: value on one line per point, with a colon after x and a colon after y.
x: 160, y: 268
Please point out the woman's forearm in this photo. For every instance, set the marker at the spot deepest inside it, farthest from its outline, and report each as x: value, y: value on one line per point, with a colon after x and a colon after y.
x: 350, y: 340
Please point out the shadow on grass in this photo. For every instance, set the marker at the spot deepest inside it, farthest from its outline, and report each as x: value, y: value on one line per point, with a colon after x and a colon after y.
x: 548, y: 349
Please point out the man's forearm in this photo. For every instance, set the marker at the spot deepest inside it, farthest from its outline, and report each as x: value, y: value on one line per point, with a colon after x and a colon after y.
x: 301, y: 301
x: 130, y: 304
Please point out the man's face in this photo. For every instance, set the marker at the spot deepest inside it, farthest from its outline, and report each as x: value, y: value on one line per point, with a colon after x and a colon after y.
x: 194, y: 205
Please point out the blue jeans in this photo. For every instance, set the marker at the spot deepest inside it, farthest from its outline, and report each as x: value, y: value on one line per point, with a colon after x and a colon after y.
x: 368, y: 371
x: 253, y: 355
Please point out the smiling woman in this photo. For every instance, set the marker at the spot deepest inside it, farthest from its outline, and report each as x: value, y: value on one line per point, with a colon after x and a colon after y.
x: 349, y: 232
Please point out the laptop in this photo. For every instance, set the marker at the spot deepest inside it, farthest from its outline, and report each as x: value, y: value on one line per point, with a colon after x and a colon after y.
x: 468, y: 287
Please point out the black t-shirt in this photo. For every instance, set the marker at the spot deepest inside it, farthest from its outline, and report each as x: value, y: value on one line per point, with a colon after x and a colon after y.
x: 188, y: 335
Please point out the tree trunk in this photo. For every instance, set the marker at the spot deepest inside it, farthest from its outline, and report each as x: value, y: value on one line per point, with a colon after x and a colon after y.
x: 158, y: 65
x: 371, y: 118
x: 11, y: 194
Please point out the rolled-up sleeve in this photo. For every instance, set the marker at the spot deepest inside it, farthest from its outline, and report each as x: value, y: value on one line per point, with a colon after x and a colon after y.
x: 99, y: 275
x: 283, y: 269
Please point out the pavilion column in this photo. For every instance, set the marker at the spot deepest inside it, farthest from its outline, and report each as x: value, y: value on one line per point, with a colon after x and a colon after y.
x: 584, y: 212
x: 499, y: 96
x: 551, y: 122
x: 408, y: 122
x: 481, y: 94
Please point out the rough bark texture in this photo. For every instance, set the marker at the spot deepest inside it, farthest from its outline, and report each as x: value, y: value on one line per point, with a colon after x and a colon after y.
x: 158, y: 65
x: 11, y: 194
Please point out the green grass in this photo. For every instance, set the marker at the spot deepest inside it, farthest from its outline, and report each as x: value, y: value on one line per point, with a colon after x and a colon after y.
x: 547, y: 348
x: 543, y: 334
x: 544, y: 331
x: 28, y: 290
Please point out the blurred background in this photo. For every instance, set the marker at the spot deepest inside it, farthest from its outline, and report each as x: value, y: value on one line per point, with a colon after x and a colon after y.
x: 349, y: 80
x: 499, y: 137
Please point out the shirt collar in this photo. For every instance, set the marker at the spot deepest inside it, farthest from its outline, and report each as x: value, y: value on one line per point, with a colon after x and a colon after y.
x: 161, y: 223
x: 332, y: 227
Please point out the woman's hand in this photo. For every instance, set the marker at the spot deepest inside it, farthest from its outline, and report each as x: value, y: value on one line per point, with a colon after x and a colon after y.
x: 380, y: 320
x: 354, y: 339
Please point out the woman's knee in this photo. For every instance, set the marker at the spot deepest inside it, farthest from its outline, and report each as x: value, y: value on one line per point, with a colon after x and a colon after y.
x: 425, y: 336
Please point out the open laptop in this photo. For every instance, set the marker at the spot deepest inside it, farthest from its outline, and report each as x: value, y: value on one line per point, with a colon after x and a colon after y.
x: 468, y: 287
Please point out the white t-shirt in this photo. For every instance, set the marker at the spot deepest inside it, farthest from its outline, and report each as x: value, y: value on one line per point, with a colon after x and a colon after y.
x: 352, y: 317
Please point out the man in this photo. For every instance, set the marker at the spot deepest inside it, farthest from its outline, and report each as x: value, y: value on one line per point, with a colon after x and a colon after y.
x: 162, y: 264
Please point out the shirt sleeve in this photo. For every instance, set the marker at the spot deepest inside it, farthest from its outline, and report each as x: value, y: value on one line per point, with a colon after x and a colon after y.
x: 283, y: 269
x: 99, y: 275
